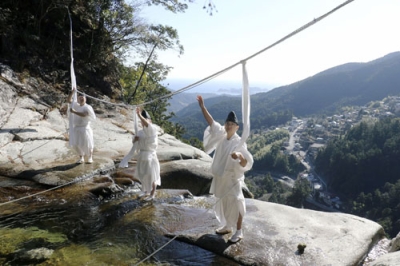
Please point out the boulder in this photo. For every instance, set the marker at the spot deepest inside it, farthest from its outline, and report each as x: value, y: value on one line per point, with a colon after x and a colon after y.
x: 192, y: 174
x: 395, y: 244
x: 390, y: 259
x: 272, y: 233
x: 34, y: 155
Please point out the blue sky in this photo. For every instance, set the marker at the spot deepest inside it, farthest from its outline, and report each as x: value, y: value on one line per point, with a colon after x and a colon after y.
x: 361, y: 31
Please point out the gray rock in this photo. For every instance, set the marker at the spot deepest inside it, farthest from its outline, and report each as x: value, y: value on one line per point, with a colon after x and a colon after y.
x: 390, y: 259
x: 34, y: 150
x: 395, y: 244
x: 272, y: 233
x: 193, y: 175
x: 171, y: 149
x: 34, y: 255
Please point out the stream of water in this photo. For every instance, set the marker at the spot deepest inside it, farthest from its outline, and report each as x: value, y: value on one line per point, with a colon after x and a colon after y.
x: 105, y: 233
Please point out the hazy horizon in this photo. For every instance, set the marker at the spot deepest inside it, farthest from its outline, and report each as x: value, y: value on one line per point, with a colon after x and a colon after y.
x: 217, y: 86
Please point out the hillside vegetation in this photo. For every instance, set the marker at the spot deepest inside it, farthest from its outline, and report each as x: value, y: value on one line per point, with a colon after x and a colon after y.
x: 324, y: 93
x: 363, y: 166
x: 362, y: 163
x: 35, y: 41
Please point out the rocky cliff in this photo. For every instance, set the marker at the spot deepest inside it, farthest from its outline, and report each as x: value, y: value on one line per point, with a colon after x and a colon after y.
x: 35, y: 160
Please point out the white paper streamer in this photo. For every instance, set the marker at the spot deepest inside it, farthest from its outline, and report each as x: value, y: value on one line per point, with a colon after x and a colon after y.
x: 245, y: 105
x: 128, y: 157
x: 73, y: 85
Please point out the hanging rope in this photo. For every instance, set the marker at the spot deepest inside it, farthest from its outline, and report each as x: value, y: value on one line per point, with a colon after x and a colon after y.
x: 125, y: 160
x: 198, y: 83
x: 245, y: 105
x: 314, y: 21
x: 73, y: 86
x: 245, y: 84
x: 245, y: 92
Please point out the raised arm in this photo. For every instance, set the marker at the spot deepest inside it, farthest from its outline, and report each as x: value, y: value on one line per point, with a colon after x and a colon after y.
x: 204, y: 110
x: 144, y: 121
x: 70, y: 95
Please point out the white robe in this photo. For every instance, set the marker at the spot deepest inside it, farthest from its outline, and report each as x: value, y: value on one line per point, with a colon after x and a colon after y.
x: 82, y: 138
x: 147, y: 166
x: 228, y: 174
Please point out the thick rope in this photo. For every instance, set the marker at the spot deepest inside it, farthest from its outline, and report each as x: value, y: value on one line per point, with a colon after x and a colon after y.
x: 245, y: 81
x: 314, y: 21
x: 47, y: 190
x: 172, y: 239
x: 195, y: 84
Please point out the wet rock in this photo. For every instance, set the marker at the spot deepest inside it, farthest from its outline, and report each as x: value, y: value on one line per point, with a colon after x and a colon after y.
x: 35, y: 156
x: 124, y: 181
x: 272, y: 233
x: 36, y: 255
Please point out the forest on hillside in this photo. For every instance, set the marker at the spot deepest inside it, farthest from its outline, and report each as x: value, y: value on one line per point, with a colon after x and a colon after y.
x: 363, y: 166
x: 36, y: 38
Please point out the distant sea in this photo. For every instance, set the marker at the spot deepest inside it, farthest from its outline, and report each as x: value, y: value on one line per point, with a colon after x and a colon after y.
x: 217, y: 86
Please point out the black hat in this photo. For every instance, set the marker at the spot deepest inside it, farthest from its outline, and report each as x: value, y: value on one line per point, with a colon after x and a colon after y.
x: 145, y: 114
x: 232, y: 118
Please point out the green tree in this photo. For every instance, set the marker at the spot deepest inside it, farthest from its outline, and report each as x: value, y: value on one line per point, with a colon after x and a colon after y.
x: 301, y: 190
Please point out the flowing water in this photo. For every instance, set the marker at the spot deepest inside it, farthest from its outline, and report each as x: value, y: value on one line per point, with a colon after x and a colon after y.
x: 91, y: 232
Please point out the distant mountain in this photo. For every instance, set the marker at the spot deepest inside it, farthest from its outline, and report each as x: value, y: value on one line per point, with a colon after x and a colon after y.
x: 182, y: 100
x: 212, y: 88
x: 348, y: 84
x: 344, y: 85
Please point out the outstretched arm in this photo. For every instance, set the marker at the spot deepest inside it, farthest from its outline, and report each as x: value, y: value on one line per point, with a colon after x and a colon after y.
x: 204, y: 110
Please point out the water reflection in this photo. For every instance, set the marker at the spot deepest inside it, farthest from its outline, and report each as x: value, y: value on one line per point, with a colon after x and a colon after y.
x: 87, y: 231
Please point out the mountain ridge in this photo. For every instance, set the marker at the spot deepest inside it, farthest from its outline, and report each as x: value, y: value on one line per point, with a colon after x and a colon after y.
x: 323, y: 93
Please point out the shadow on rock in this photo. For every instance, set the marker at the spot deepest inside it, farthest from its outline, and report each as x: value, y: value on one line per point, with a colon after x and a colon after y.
x: 28, y: 174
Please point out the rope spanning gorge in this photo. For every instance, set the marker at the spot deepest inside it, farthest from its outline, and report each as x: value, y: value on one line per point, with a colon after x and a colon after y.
x: 218, y: 73
x: 245, y: 98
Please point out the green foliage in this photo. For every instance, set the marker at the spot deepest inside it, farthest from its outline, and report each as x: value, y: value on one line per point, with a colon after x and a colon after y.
x: 104, y: 33
x: 363, y: 166
x: 265, y: 188
x: 150, y: 91
x: 267, y: 153
x: 382, y: 206
x: 195, y: 142
x: 264, y: 118
x: 300, y: 192
x: 364, y: 159
x: 171, y: 5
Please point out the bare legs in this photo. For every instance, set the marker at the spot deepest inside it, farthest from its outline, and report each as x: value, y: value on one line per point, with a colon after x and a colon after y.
x: 239, y: 222
x: 239, y: 234
x: 152, y: 193
x: 90, y: 157
x: 153, y: 190
x: 82, y: 155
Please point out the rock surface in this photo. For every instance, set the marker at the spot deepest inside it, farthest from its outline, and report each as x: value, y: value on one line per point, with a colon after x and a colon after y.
x: 34, y: 155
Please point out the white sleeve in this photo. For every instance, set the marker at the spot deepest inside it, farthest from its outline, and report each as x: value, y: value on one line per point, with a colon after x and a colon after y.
x: 247, y: 155
x: 212, y: 136
x: 91, y: 114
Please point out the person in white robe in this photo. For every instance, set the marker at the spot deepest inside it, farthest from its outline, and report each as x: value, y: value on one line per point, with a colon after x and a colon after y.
x: 230, y: 162
x: 147, y: 166
x: 81, y: 136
